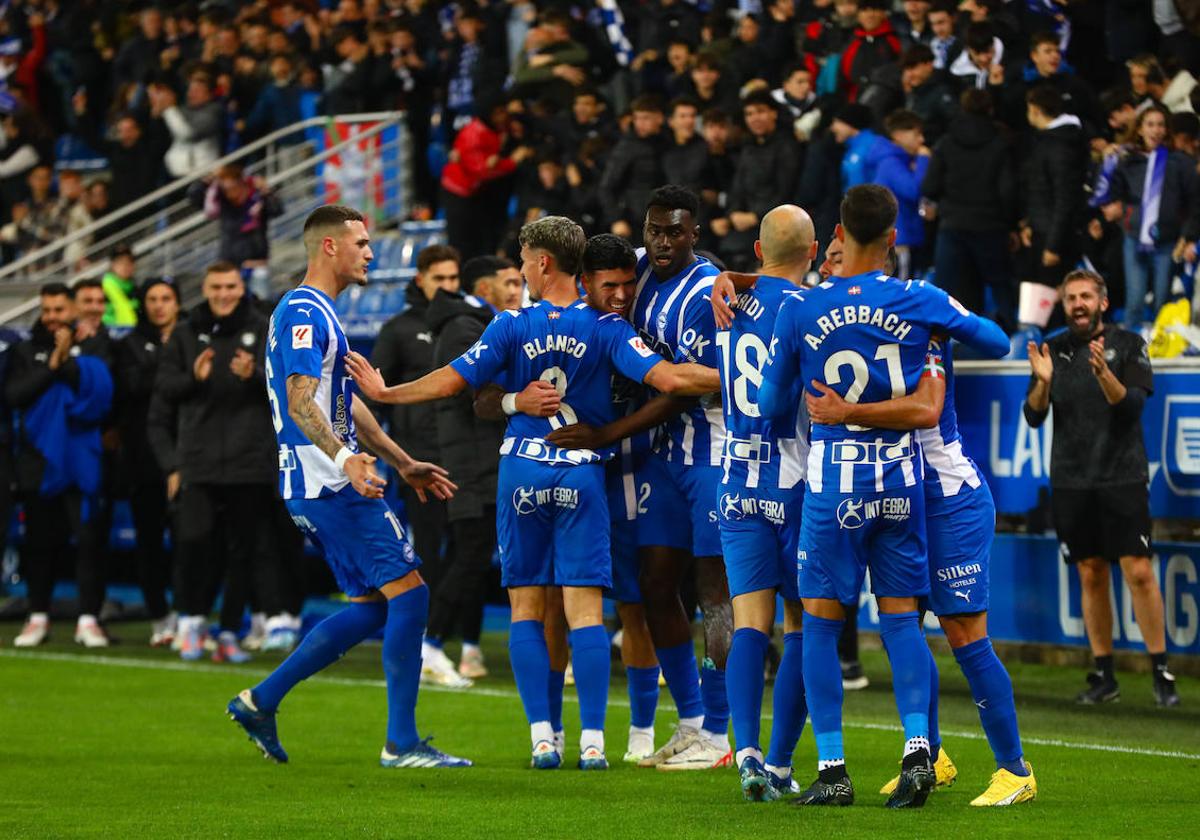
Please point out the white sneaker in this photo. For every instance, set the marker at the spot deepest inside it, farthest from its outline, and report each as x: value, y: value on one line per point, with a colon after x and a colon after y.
x: 703, y: 754
x: 89, y: 634
x: 471, y: 666
x: 162, y: 632
x: 34, y: 633
x: 641, y: 746
x: 681, y: 740
x: 437, y: 669
x: 258, y: 632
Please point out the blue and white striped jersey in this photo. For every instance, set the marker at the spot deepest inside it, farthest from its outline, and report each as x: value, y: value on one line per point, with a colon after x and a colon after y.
x: 759, y: 452
x: 674, y: 317
x: 948, y: 470
x: 866, y: 337
x: 576, y: 348
x: 306, y: 338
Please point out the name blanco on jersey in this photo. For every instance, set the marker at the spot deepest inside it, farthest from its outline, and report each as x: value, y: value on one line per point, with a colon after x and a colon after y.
x: 555, y: 344
x: 844, y: 316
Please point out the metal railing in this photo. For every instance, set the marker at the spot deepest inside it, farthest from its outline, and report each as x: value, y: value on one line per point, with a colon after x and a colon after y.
x: 171, y: 237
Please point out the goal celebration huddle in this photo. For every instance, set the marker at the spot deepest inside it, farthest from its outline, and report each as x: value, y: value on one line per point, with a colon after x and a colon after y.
x: 670, y: 426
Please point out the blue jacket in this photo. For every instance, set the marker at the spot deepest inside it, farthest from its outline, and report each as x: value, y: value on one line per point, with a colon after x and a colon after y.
x: 902, y: 173
x: 856, y: 164
x: 63, y: 425
x: 276, y: 107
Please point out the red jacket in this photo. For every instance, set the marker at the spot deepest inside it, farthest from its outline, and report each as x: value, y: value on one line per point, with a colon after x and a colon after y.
x: 468, y: 168
x: 866, y: 52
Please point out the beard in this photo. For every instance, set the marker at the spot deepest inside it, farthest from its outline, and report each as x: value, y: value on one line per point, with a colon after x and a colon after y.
x: 1088, y: 329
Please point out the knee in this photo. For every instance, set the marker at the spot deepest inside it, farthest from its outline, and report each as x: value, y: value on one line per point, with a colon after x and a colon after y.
x: 1139, y: 577
x: 1093, y: 573
x: 658, y: 585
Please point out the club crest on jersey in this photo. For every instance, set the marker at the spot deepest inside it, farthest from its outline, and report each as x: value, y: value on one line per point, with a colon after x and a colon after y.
x: 302, y: 337
x: 661, y: 322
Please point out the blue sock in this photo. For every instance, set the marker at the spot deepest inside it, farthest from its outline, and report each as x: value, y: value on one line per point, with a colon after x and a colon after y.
x: 590, y: 655
x: 324, y: 645
x: 992, y: 689
x: 406, y: 616
x: 909, y: 656
x: 715, y: 699
x: 557, y: 681
x: 531, y: 668
x: 679, y: 670
x: 823, y: 685
x: 747, y: 660
x: 433, y: 641
x: 790, y: 708
x: 935, y: 734
x: 643, y: 695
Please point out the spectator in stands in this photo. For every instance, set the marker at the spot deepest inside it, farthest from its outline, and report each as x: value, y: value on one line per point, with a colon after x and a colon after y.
x: 119, y: 290
x: 134, y: 152
x: 587, y: 118
x: 473, y: 71
x: 138, y: 473
x: 903, y: 159
x: 62, y: 391
x: 765, y: 177
x: 474, y: 192
x: 1147, y: 81
x: 242, y: 205
x: 851, y: 128
x: 403, y: 352
x: 832, y: 29
x: 1045, y: 67
x: 92, y: 207
x: 943, y: 40
x: 277, y: 105
x: 717, y: 177
x: 90, y: 306
x: 634, y: 168
x: 549, y: 194
x: 686, y: 156
x: 1097, y: 378
x: 1052, y: 176
x: 912, y: 24
x: 195, y: 128
x: 552, y: 65
x: 874, y: 45
x: 361, y: 80
x: 710, y: 87
x: 140, y: 55
x: 24, y: 143
x: 914, y: 85
x: 210, y: 372
x: 38, y: 221
x: 971, y: 187
x: 1154, y: 193
x: 469, y: 446
x: 798, y: 96
x: 1184, y: 129
x: 980, y: 65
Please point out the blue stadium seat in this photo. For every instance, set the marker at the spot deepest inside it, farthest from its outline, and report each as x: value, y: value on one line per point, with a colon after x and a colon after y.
x: 396, y: 299
x: 1018, y: 343
x: 371, y: 301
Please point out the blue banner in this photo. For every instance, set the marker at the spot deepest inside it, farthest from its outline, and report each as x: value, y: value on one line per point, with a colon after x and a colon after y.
x: 1035, y: 597
x: 1015, y: 459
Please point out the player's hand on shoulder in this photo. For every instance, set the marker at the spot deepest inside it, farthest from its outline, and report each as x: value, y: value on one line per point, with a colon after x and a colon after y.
x: 539, y: 399
x: 360, y: 469
x: 724, y: 300
x: 369, y: 379
x: 576, y: 436
x: 828, y: 409
x: 427, y: 478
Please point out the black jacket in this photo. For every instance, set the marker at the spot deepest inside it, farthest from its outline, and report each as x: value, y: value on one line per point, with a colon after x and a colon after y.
x: 684, y: 165
x: 1053, y: 174
x: 224, y: 429
x: 935, y: 102
x: 135, y: 369
x: 634, y: 170
x: 1177, y: 212
x: 470, y: 446
x: 766, y: 173
x: 971, y: 177
x: 404, y: 352
x: 29, y: 376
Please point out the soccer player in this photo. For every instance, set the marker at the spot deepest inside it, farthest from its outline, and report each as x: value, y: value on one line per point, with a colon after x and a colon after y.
x: 867, y: 333
x: 334, y: 495
x: 762, y: 490
x: 960, y: 519
x: 679, y: 481
x: 552, y: 510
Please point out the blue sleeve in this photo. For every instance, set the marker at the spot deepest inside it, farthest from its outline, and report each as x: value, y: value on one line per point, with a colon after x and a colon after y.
x: 303, y: 334
x: 944, y: 312
x: 630, y: 355
x: 487, y: 357
x: 782, y: 370
x: 698, y: 338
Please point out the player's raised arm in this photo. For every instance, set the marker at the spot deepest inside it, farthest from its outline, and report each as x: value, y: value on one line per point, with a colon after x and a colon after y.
x: 435, y: 385
x: 421, y: 475
x: 981, y: 333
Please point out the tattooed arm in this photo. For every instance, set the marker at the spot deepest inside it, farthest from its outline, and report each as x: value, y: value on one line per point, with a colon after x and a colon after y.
x: 304, y: 411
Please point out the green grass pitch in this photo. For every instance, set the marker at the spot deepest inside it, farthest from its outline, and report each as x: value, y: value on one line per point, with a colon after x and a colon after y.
x: 132, y: 743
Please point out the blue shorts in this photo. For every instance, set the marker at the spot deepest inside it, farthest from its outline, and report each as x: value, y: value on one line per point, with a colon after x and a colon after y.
x: 362, y: 539
x: 960, y: 532
x: 844, y: 534
x: 760, y: 531
x: 678, y: 506
x: 552, y: 524
x: 623, y: 536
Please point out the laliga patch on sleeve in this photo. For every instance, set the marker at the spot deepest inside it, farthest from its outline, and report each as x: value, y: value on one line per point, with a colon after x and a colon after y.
x: 640, y: 346
x: 962, y: 310
x: 302, y: 336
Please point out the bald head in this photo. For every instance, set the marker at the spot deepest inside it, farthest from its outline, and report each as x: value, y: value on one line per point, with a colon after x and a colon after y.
x: 786, y: 237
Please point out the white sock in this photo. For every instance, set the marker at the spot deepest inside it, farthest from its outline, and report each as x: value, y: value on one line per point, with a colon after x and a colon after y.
x: 541, y: 731
x: 718, y: 739
x: 591, y: 738
x: 40, y: 618
x: 467, y: 647
x: 779, y: 772
x: 693, y: 722
x: 825, y: 765
x: 648, y: 731
x: 748, y: 752
x: 914, y: 744
x: 87, y: 618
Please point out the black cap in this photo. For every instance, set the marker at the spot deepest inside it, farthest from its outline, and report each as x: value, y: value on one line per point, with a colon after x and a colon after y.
x: 855, y: 116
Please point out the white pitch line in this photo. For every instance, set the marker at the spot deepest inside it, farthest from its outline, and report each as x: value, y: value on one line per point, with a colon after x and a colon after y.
x: 203, y: 668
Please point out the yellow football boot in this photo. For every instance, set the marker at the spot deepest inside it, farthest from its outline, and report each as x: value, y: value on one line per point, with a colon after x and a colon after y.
x: 1008, y: 789
x: 943, y: 767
